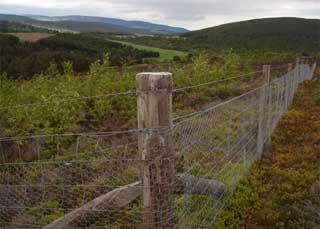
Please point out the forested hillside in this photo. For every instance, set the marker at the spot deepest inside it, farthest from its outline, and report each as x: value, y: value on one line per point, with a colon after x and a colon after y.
x: 271, y: 34
x: 11, y: 27
x: 23, y: 60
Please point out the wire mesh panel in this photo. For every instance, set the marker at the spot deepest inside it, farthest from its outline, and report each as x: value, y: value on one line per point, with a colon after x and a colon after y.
x: 50, y: 177
x: 217, y: 144
x: 97, y: 180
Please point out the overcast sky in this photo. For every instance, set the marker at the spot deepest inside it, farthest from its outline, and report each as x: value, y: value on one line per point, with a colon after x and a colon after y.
x: 191, y: 14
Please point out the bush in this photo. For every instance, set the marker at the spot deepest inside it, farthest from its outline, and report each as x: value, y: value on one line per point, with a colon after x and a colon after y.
x: 317, y: 100
x: 176, y: 58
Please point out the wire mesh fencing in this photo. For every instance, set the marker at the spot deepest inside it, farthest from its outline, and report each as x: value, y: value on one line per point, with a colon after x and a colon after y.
x: 99, y: 180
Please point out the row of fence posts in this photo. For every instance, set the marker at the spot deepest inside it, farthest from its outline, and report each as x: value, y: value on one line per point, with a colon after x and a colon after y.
x: 154, y: 101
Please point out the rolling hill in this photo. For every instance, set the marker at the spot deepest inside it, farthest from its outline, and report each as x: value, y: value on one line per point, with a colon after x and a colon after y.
x: 269, y: 34
x: 12, y: 27
x: 133, y: 25
x: 93, y: 24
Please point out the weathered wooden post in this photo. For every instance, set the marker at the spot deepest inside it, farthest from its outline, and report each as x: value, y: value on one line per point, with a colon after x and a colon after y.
x: 154, y: 92
x: 262, y: 128
x: 287, y: 86
x: 314, y: 66
x: 298, y: 74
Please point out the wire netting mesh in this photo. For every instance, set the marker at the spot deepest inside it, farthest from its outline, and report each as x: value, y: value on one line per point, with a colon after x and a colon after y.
x: 95, y: 181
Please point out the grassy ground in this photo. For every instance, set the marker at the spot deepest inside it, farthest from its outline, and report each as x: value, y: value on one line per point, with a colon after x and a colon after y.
x: 165, y: 54
x: 278, y: 193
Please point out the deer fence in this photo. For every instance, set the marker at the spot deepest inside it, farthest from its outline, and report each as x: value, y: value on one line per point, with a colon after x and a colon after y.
x: 166, y: 173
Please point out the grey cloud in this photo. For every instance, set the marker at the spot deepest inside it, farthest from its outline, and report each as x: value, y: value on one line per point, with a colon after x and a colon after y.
x: 188, y: 13
x: 196, y: 10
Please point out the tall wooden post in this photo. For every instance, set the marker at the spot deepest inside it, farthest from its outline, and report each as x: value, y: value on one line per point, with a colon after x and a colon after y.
x: 262, y: 128
x: 314, y: 66
x: 155, y: 147
x: 298, y: 73
x: 287, y: 87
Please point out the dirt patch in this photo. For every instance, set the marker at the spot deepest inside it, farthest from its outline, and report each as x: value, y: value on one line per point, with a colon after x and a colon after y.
x: 31, y: 37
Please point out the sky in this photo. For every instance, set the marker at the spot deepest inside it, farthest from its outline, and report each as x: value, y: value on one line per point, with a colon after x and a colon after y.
x: 190, y: 14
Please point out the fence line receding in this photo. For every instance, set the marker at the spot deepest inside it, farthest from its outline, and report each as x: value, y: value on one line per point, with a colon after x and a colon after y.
x: 164, y: 174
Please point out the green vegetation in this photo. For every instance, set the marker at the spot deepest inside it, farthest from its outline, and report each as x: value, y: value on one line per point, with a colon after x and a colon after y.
x: 274, y: 34
x: 14, y: 27
x: 102, y: 113
x: 165, y: 54
x: 160, y: 41
x: 59, y: 107
x: 277, y: 193
x: 317, y: 100
x: 22, y: 60
x: 39, y: 216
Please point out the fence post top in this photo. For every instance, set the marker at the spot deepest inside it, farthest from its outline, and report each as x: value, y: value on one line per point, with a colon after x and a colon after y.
x: 153, y: 81
x: 154, y: 74
x: 266, y: 69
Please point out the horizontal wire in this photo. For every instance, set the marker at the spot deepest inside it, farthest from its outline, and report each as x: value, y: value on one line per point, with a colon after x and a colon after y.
x: 125, y: 93
x: 112, y: 133
x: 213, y: 82
x: 70, y: 100
x: 89, y: 134
x: 120, y: 93
x: 250, y: 136
x: 198, y: 113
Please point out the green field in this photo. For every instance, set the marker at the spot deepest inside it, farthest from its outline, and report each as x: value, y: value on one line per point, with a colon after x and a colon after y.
x: 165, y: 54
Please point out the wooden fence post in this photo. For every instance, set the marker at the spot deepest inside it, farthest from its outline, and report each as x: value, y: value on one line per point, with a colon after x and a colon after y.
x: 298, y: 73
x: 287, y: 99
x: 262, y: 128
x: 154, y: 92
x: 313, y: 69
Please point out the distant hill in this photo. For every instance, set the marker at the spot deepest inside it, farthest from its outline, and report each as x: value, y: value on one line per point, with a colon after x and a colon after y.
x: 85, y: 27
x: 16, y: 18
x: 133, y: 25
x: 93, y: 24
x: 267, y: 34
x: 14, y: 27
x: 270, y: 34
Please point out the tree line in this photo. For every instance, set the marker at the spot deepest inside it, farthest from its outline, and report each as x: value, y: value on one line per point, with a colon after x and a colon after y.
x: 22, y: 60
